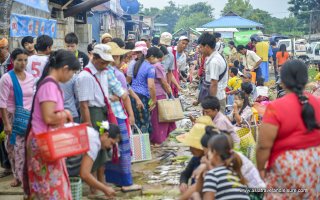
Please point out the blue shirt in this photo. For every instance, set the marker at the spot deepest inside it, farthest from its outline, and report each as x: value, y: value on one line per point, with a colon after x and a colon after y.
x: 70, y: 101
x: 140, y: 82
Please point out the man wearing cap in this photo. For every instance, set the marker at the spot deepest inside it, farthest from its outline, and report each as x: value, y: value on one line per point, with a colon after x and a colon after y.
x: 247, y: 78
x: 180, y: 57
x: 93, y: 85
x: 168, y: 61
x: 5, y: 61
x: 105, y: 38
x: 147, y: 40
x: 131, y: 38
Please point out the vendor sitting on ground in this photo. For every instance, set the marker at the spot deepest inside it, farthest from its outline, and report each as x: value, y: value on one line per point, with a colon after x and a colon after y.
x: 192, y: 139
x: 97, y: 156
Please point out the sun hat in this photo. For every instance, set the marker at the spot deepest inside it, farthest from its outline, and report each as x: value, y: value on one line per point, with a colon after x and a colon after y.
x: 184, y: 38
x: 141, y: 46
x: 3, y: 42
x: 193, y: 137
x: 165, y: 38
x: 104, y: 51
x: 145, y: 37
x: 116, y: 50
x: 106, y: 35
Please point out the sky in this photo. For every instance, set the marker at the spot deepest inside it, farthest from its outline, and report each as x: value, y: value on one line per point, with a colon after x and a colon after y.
x: 277, y: 8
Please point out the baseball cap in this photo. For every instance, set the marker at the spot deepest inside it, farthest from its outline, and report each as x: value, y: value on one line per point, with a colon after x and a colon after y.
x: 106, y: 35
x: 184, y: 38
x: 131, y: 37
x: 165, y: 38
x: 104, y: 51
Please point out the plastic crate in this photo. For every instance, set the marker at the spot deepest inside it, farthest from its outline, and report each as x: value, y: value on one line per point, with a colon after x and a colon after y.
x: 76, y: 187
x: 63, y: 142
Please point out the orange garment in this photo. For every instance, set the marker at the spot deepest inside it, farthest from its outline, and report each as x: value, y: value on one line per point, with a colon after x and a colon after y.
x: 282, y: 59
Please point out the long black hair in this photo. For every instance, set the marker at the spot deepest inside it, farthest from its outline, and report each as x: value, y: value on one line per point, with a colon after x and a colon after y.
x: 153, y: 51
x: 222, y: 145
x: 283, y: 49
x: 244, y: 95
x: 59, y: 59
x: 294, y: 75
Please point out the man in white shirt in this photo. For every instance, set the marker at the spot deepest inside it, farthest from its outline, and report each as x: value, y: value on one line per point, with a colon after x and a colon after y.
x: 250, y: 60
x: 219, y: 45
x: 36, y: 63
x: 180, y: 56
x: 168, y: 62
x: 216, y: 76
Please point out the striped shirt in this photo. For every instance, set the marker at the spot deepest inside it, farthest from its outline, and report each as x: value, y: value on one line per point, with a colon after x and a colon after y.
x: 225, y: 184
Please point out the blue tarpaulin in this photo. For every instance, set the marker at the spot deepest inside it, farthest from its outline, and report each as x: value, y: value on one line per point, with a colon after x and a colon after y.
x: 23, y: 25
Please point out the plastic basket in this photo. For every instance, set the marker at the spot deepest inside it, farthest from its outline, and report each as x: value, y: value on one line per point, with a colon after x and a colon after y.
x: 63, y: 142
x: 76, y: 188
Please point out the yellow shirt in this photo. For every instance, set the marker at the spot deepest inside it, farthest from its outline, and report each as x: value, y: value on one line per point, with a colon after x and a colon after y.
x: 234, y: 83
x: 262, y: 50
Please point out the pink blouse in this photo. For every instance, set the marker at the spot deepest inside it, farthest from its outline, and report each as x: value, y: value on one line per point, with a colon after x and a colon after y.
x: 47, y: 92
x: 7, y: 95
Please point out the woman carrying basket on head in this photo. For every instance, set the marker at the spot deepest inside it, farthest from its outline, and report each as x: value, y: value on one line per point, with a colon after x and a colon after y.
x: 49, y: 180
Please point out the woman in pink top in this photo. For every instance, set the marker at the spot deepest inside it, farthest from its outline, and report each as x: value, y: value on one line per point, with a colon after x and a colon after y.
x: 15, y: 144
x: 49, y: 180
x: 160, y: 131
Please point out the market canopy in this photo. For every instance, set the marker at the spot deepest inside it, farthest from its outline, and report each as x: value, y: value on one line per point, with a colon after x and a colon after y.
x: 232, y: 20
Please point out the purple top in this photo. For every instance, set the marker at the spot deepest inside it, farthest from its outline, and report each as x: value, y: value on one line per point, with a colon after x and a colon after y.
x: 120, y: 76
x: 140, y: 82
x: 160, y: 74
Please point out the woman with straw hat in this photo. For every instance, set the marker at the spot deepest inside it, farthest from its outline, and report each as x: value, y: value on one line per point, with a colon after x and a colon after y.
x: 120, y: 173
x: 193, y: 140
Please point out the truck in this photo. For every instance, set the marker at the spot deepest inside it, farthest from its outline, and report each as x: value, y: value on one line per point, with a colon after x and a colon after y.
x: 313, y: 53
x: 298, y: 50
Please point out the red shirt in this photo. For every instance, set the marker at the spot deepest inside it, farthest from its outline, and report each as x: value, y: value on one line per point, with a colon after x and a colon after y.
x: 285, y: 113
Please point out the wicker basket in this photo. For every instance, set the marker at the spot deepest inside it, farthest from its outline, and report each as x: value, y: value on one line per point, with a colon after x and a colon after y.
x: 76, y: 188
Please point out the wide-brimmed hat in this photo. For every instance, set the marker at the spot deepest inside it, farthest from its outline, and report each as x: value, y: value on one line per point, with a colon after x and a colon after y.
x: 104, y: 51
x: 116, y: 50
x: 184, y: 38
x: 193, y: 137
x: 165, y: 38
x: 141, y: 46
x: 106, y: 35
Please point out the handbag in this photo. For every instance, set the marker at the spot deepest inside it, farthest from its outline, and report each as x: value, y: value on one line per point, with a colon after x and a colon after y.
x: 111, y: 117
x: 140, y: 146
x: 21, y: 116
x: 247, y: 142
x: 170, y: 110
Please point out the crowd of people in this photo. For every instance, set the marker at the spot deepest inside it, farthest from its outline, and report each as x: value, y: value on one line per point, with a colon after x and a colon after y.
x: 117, y: 84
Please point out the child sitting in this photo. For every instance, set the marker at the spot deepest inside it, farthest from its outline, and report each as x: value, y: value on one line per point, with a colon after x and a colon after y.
x: 262, y: 91
x: 192, y: 139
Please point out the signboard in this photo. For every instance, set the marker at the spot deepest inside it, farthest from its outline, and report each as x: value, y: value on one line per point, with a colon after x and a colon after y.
x: 23, y: 25
x: 38, y: 4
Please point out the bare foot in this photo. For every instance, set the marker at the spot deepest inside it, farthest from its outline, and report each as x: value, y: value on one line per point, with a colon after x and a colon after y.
x: 15, y: 183
x: 131, y: 188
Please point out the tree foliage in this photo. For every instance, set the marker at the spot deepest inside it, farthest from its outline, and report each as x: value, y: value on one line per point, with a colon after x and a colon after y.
x: 194, y: 20
x: 240, y: 7
x: 302, y: 8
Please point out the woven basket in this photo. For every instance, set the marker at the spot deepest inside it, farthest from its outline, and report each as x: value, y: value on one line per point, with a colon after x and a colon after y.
x: 76, y: 188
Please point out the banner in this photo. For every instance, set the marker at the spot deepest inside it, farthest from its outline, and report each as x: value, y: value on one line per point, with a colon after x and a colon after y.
x: 23, y: 25
x: 38, y: 4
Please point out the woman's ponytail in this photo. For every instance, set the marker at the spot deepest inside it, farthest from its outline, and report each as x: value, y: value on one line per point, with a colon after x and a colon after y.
x: 234, y: 163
